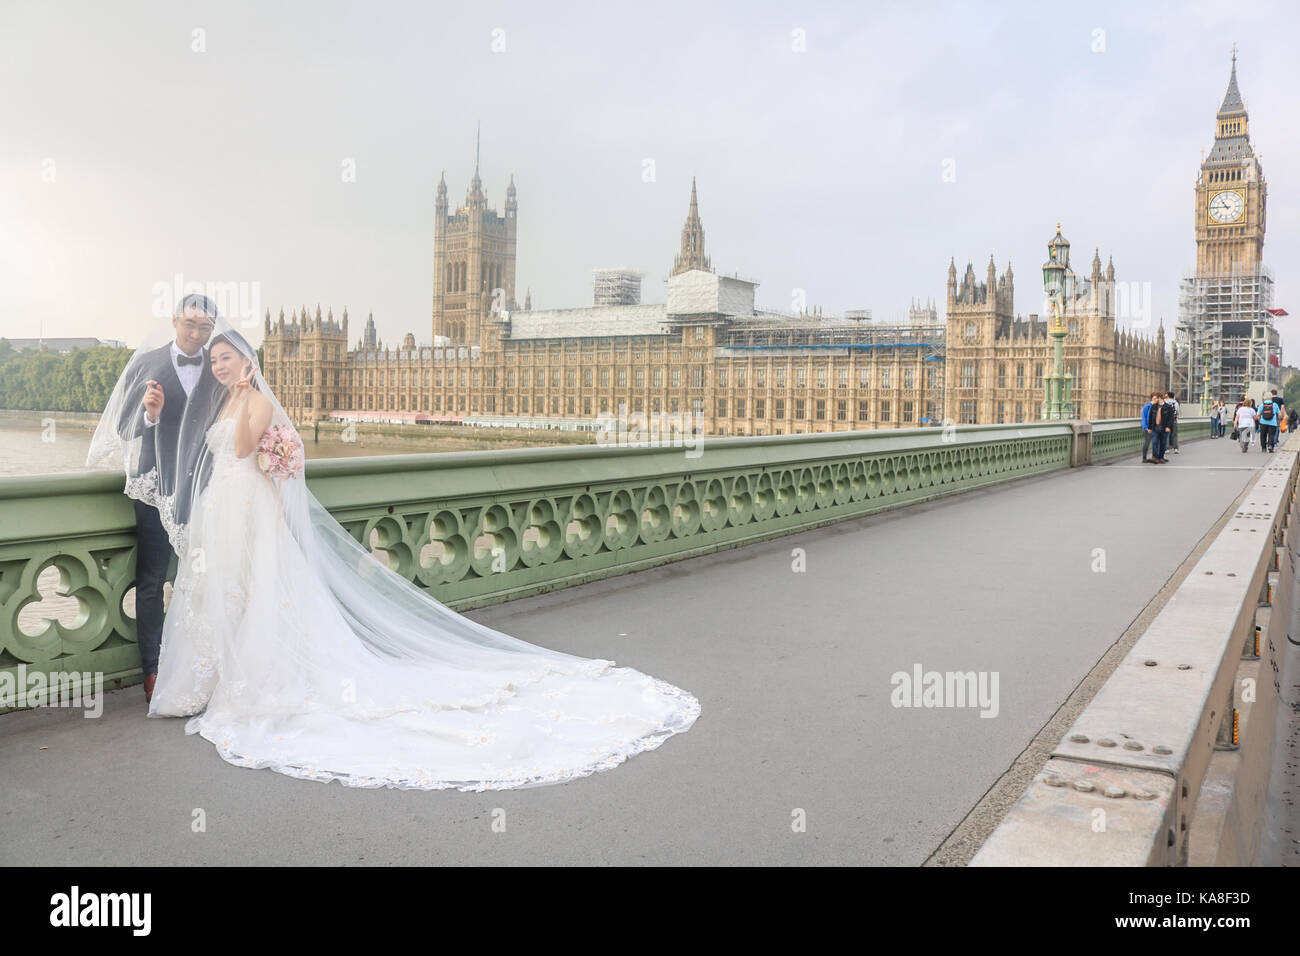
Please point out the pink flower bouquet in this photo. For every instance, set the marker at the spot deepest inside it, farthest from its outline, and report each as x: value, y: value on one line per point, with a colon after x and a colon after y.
x: 279, y: 452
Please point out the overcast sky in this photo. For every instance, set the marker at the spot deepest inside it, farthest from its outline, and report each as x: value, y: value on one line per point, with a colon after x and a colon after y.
x: 820, y: 134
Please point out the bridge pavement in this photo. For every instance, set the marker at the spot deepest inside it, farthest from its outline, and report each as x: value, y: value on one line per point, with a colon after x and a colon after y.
x: 792, y: 667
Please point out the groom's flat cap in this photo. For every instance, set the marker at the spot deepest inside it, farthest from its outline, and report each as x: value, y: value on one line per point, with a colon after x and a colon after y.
x: 200, y: 302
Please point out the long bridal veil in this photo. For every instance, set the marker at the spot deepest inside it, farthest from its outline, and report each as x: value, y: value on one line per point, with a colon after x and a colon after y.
x: 424, y: 651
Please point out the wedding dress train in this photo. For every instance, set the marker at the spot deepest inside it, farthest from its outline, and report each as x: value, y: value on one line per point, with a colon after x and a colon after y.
x: 274, y: 655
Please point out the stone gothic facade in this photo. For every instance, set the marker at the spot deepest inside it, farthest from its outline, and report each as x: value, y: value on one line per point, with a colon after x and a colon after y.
x: 996, y: 361
x: 708, y: 352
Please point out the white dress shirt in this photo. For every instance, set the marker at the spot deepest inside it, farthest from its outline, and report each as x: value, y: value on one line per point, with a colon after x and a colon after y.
x: 189, y: 375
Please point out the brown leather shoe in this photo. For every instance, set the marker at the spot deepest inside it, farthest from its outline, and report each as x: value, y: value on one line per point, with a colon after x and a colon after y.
x: 149, y: 681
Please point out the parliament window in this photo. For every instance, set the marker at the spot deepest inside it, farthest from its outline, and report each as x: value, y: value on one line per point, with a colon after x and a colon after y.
x: 697, y: 377
x: 1020, y: 411
x: 778, y: 407
x: 640, y: 378
x: 841, y: 409
x: 864, y: 410
x: 864, y: 378
x: 722, y: 377
x: 740, y: 377
x: 885, y: 377
x: 800, y: 378
x: 798, y: 408
x: 1002, y: 375
x: 886, y: 413
x: 969, y: 377
x: 740, y: 408
x: 968, y: 411
x: 659, y: 378
x: 587, y: 377
x: 909, y: 380
x: 622, y: 378
x: 604, y: 378
x: 842, y: 380
x: 759, y: 407
x: 677, y: 377
x: 909, y: 411
x: 722, y: 408
x: 1002, y: 412
x: 780, y: 376
x: 821, y: 377
x: 570, y: 378
x: 760, y: 378
x: 1020, y: 375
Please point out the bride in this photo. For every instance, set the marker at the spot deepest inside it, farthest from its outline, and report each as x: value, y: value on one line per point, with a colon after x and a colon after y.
x: 290, y: 647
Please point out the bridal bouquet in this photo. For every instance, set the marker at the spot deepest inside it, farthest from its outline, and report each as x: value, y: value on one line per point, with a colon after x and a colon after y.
x: 279, y: 452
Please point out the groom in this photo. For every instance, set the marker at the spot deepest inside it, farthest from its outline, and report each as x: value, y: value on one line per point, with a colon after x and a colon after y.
x: 177, y: 385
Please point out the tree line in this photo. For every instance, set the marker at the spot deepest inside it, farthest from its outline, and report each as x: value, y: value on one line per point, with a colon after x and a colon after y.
x: 41, y: 380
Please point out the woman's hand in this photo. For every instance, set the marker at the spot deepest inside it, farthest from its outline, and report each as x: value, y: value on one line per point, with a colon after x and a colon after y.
x: 245, y: 384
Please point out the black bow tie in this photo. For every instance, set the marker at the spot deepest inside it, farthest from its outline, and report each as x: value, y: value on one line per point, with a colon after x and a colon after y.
x: 189, y: 360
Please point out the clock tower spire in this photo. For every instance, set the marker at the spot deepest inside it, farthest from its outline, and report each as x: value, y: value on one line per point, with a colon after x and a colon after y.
x: 1225, y: 341
x: 1230, y: 193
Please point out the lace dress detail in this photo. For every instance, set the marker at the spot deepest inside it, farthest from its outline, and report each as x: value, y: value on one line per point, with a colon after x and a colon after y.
x: 257, y: 653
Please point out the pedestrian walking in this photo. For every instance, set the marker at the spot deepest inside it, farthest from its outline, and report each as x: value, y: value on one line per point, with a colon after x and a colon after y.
x: 1173, y: 424
x: 1244, y: 422
x: 1161, y: 415
x: 1267, y: 423
x: 1147, y: 433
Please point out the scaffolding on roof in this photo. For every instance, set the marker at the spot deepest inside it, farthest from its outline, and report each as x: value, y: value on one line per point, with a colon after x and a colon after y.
x: 619, y: 286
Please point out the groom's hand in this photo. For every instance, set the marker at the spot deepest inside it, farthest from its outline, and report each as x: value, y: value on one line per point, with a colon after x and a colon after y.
x: 153, y: 400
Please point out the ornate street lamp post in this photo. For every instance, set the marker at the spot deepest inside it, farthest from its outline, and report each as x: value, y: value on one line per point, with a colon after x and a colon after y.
x: 1058, y: 282
x: 1205, y: 380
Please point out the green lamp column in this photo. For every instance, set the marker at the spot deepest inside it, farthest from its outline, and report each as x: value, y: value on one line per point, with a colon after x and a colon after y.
x: 1056, y: 276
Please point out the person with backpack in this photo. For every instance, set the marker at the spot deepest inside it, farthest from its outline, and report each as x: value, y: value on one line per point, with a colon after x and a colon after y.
x: 1267, y: 423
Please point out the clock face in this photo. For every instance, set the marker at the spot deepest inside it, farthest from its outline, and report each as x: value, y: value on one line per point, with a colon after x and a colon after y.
x: 1226, y: 206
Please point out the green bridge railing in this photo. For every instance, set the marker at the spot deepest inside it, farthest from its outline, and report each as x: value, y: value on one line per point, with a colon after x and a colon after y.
x: 477, y: 528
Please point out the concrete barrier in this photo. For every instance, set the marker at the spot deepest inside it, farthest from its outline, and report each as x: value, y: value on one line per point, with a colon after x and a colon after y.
x: 1156, y: 770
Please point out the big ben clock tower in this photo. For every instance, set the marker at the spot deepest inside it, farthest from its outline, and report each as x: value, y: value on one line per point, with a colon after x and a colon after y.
x: 1225, y: 344
x: 1230, y: 195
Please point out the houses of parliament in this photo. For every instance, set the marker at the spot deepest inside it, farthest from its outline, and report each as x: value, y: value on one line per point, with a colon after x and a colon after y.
x: 707, y: 351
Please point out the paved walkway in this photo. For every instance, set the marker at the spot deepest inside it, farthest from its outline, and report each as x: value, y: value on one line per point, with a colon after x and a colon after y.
x: 793, y: 671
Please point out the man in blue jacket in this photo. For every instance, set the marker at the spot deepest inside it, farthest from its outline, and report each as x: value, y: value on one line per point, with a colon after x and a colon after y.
x: 1146, y: 427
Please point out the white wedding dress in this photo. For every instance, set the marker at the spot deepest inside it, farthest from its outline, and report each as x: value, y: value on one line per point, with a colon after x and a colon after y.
x: 266, y: 661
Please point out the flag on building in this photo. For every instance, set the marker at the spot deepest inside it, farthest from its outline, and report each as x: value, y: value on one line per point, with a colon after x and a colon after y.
x: 1277, y: 312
